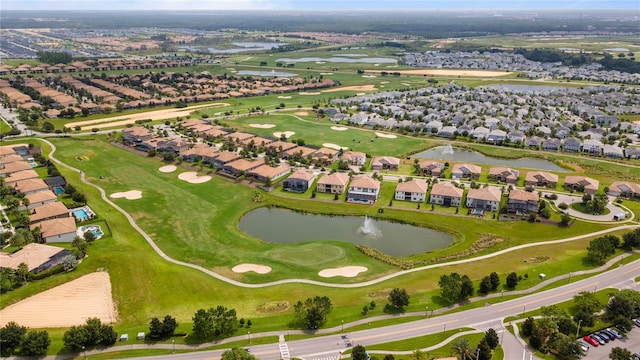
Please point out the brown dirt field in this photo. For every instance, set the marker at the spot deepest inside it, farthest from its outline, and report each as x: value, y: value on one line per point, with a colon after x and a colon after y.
x: 131, y: 119
x: 369, y: 87
x: 65, y: 305
x: 450, y: 72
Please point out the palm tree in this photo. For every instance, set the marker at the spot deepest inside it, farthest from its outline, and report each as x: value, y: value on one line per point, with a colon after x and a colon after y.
x: 463, y: 350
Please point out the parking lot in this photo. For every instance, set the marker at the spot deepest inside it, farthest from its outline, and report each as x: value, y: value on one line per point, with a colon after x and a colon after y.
x: 631, y: 342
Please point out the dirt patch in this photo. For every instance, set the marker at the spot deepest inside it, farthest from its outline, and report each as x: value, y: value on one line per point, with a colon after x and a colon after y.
x: 168, y: 168
x: 577, y: 168
x: 129, y: 195
x: 65, y: 305
x: 537, y: 259
x: 132, y: 118
x: 369, y: 87
x: 301, y: 113
x: 446, y: 72
x: 339, y: 128
x: 381, y: 294
x: 273, y: 307
x: 193, y: 178
x: 334, y: 146
x: 286, y: 134
x: 259, y: 269
x: 262, y: 126
x: 345, y: 271
x: 387, y: 136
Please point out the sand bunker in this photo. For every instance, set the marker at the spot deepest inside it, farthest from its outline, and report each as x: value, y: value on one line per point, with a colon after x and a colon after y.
x: 243, y: 268
x: 129, y: 195
x: 339, y: 128
x: 334, y: 146
x: 329, y: 73
x: 346, y: 271
x: 309, y: 93
x: 65, y: 305
x: 286, y: 134
x: 168, y: 168
x: 284, y: 97
x: 383, y: 135
x: 193, y: 178
x: 369, y: 87
x: 368, y: 76
x: 360, y: 94
x: 262, y: 126
x: 384, y: 82
x: 301, y: 113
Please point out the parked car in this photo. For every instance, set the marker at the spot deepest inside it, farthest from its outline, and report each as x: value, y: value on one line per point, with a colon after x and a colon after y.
x: 584, y: 347
x: 636, y: 321
x: 591, y: 340
x: 604, y: 334
x: 599, y: 339
x: 615, y: 333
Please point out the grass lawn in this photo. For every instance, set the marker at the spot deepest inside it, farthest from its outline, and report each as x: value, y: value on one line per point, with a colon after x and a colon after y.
x: 582, y: 207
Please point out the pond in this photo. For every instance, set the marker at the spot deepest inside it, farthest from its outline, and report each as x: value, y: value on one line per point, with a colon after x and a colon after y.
x: 336, y: 59
x: 243, y: 47
x: 449, y: 153
x: 266, y: 73
x: 287, y: 227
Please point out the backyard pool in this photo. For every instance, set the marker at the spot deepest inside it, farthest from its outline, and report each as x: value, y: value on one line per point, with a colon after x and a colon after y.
x: 83, y: 213
x: 94, y: 229
x: 58, y: 190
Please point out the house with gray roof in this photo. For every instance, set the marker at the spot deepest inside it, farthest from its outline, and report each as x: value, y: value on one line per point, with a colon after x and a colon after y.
x: 447, y: 131
x: 571, y: 145
x: 551, y: 144
x: 592, y: 147
x: 515, y: 136
x: 613, y: 151
x: 632, y: 152
x: 480, y: 133
x: 496, y: 136
x: 533, y: 142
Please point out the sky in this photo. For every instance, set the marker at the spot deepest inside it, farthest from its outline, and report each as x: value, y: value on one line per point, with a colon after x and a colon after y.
x: 316, y: 4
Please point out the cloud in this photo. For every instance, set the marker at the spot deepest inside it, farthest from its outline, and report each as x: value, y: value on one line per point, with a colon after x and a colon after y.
x: 142, y: 4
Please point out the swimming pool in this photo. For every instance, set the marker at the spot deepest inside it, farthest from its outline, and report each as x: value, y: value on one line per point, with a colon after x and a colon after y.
x: 81, y: 214
x: 94, y: 229
x: 58, y: 190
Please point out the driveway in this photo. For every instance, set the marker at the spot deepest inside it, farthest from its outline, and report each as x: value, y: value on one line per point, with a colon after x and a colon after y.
x: 569, y: 199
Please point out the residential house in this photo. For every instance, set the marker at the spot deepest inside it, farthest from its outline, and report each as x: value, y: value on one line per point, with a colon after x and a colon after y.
x: 239, y: 167
x: 279, y: 147
x: 465, y: 171
x: 592, y: 146
x: 625, y: 189
x: 137, y: 134
x: 264, y: 172
x: 581, y: 183
x: 385, y: 163
x: 480, y: 133
x: 431, y: 168
x: 354, y: 158
x: 48, y: 211
x: 612, y: 151
x: 224, y: 158
x: 57, y: 230
x: 447, y: 131
x: 363, y: 190
x: 533, y: 142
x: 551, y: 144
x: 484, y: 198
x: 30, y: 186
x: 326, y: 155
x: 504, y: 174
x: 10, y: 158
x: 516, y: 136
x: 55, y: 182
x: 445, y: 193
x: 200, y: 152
x: 239, y: 136
x: 175, y: 146
x: 38, y: 257
x: 413, y: 190
x: 334, y: 183
x: 541, y: 178
x: 632, y: 152
x: 496, y: 136
x: 300, y: 181
x: 38, y: 198
x: 10, y: 168
x: 571, y: 145
x: 521, y: 201
x: 301, y: 151
x: 20, y: 175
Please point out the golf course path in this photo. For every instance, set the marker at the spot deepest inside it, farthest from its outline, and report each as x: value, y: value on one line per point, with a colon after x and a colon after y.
x: 314, y: 282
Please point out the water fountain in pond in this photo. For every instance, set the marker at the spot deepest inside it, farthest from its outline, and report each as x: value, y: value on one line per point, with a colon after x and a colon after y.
x: 369, y: 228
x: 447, y: 149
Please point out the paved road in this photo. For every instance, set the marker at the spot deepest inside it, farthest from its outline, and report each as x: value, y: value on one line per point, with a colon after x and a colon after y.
x: 480, y: 318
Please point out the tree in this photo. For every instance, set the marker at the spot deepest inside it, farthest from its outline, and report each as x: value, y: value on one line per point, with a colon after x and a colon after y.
x: 565, y: 347
x: 313, y: 312
x: 389, y: 357
x: 35, y: 343
x: 169, y: 326
x: 455, y: 287
x: 80, y: 245
x: 631, y: 240
x: 495, y: 281
x: 484, y: 350
x: 567, y: 326
x: 359, y: 353
x: 565, y: 219
x: 598, y: 203
x: 491, y: 338
x: 203, y: 325
x: 75, y: 338
x: 11, y: 336
x: 23, y: 271
x: 512, y: 280
x: 600, y: 248
x: 462, y: 348
x: 584, y: 318
x: 624, y: 303
x: 399, y: 298
x: 485, y: 285
x: 237, y: 354
x: 155, y: 329
x: 466, y: 288
x: 587, y: 301
x: 618, y: 353
x: 527, y: 326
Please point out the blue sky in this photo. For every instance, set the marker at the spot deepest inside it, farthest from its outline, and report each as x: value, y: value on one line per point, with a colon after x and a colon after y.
x: 315, y: 4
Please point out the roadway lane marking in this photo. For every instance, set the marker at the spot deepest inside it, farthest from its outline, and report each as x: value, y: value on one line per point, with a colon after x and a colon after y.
x: 632, y: 270
x: 550, y: 297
